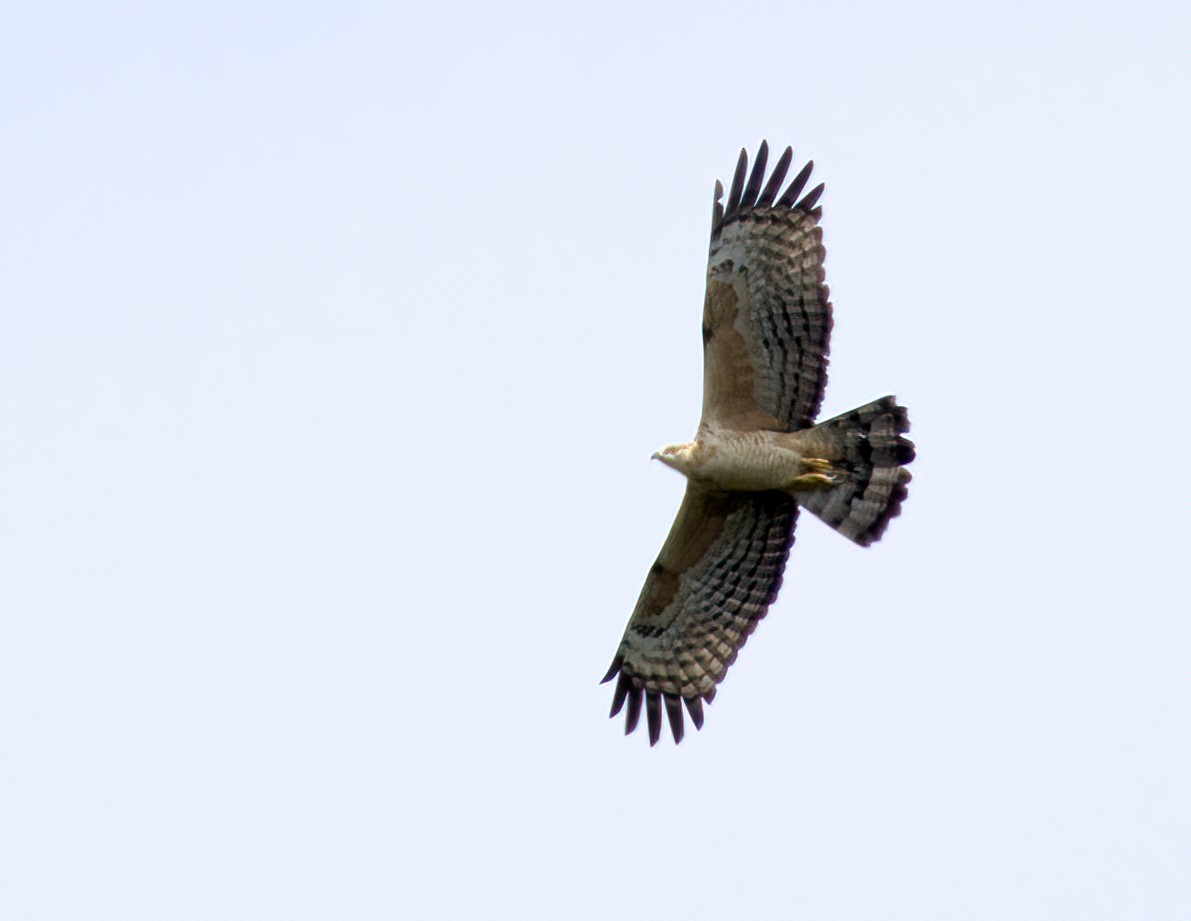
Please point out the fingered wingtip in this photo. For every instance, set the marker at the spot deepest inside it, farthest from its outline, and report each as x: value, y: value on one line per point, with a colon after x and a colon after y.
x: 737, y: 183
x: 616, y: 664
x: 653, y: 716
x: 749, y: 191
x: 622, y: 692
x: 653, y: 704
x: 810, y: 199
x: 797, y: 184
x: 749, y: 197
x: 674, y: 716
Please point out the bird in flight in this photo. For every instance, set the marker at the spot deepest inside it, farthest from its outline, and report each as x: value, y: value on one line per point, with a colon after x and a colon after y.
x: 758, y: 456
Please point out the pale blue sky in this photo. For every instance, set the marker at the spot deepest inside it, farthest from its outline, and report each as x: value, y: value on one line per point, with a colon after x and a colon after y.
x: 334, y: 342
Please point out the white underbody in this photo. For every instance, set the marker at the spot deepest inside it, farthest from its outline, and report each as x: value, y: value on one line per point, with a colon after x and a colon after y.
x: 740, y: 461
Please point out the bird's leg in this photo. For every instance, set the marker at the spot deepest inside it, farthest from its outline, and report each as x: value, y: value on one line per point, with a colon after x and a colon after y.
x: 817, y: 474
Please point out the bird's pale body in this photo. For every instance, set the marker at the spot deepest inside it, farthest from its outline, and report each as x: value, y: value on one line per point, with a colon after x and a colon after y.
x: 745, y: 461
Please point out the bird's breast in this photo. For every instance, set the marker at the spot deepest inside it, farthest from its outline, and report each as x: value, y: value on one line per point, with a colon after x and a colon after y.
x: 745, y: 461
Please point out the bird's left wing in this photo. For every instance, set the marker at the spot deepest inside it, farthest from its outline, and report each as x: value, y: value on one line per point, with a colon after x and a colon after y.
x: 718, y: 572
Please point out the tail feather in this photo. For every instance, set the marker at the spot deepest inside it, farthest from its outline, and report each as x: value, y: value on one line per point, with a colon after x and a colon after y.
x: 868, y: 454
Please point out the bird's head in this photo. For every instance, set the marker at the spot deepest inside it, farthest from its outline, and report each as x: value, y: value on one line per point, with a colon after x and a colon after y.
x: 677, y: 456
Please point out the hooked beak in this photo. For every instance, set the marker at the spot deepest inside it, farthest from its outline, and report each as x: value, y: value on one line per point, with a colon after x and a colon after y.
x: 657, y: 455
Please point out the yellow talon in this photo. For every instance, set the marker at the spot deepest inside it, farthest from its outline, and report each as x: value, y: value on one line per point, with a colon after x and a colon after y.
x: 812, y: 481
x: 818, y: 474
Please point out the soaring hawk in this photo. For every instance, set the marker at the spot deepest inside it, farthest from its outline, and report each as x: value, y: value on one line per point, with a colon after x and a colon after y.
x: 758, y: 455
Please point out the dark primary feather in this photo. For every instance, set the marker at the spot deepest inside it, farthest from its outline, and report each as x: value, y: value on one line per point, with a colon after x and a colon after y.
x: 653, y: 715
x: 737, y: 183
x: 634, y: 712
x: 775, y: 181
x: 797, y: 184
x: 750, y: 191
x: 811, y: 197
x: 622, y: 687
x: 674, y: 715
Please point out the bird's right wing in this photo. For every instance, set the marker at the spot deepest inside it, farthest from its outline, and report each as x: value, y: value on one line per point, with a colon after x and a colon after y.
x: 718, y: 572
x: 766, y: 316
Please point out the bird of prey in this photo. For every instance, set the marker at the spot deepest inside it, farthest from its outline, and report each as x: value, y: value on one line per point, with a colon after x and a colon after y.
x: 758, y: 456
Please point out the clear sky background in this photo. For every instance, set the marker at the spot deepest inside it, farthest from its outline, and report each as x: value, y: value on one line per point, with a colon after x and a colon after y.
x: 334, y: 342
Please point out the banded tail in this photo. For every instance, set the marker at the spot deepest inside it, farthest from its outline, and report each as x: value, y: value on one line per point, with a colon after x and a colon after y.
x: 867, y: 450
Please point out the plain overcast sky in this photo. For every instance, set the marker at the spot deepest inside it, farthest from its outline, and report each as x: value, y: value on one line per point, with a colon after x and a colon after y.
x: 334, y: 342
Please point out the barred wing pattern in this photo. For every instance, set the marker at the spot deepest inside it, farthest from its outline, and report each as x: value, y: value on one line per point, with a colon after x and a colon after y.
x: 766, y: 326
x: 766, y: 317
x: 717, y: 574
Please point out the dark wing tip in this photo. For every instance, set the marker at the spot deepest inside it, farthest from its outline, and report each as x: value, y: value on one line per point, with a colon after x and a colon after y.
x: 808, y: 201
x: 639, y: 698
x: 674, y: 715
x: 759, y: 194
x: 616, y: 664
x: 717, y: 209
x: 622, y: 690
x: 651, y: 701
x: 742, y: 166
x: 653, y: 716
x: 775, y: 181
x: 797, y: 184
x: 749, y: 197
x: 633, y: 715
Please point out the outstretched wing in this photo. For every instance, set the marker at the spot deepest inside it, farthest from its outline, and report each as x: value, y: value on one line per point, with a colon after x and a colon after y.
x: 715, y: 578
x: 766, y: 317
